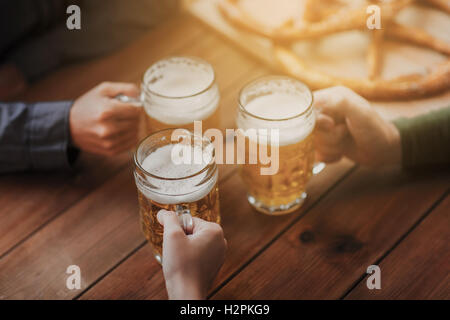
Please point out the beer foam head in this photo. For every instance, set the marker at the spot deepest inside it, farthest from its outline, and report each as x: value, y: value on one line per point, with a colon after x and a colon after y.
x: 277, y: 103
x: 278, y: 106
x: 163, y: 163
x: 179, y: 90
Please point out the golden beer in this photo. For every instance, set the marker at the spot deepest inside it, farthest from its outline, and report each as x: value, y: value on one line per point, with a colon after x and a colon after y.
x: 285, y: 105
x: 178, y: 91
x: 289, y: 184
x: 183, y: 187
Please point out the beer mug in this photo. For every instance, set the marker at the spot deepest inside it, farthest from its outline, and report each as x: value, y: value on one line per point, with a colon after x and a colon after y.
x: 176, y: 91
x: 175, y: 170
x: 284, y: 104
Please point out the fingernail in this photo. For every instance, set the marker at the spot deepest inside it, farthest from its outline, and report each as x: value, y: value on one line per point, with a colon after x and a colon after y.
x: 160, y: 214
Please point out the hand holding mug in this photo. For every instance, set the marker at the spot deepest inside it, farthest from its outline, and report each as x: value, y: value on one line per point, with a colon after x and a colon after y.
x: 191, y: 262
x: 348, y: 126
x: 101, y: 124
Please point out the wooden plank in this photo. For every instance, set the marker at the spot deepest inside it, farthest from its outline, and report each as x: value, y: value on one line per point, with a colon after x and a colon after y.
x: 247, y: 232
x: 419, y: 267
x: 138, y: 278
x: 329, y: 249
x: 93, y: 234
x: 28, y: 201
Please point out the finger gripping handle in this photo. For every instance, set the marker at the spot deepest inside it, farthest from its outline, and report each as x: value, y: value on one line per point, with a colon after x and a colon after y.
x: 138, y: 102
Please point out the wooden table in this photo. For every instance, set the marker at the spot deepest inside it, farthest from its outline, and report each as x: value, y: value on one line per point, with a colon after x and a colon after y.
x: 354, y: 217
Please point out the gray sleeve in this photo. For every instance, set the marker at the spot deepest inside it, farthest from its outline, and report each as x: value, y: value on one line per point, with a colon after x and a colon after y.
x: 35, y: 136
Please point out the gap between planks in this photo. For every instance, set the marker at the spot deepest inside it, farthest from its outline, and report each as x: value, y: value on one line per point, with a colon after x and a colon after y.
x: 400, y: 240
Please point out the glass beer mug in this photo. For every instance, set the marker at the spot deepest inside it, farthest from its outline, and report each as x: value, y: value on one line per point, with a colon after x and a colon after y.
x: 284, y: 104
x: 176, y: 91
x: 175, y: 170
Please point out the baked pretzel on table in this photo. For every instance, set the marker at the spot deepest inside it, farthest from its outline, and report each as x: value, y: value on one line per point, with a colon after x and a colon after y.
x: 326, y: 17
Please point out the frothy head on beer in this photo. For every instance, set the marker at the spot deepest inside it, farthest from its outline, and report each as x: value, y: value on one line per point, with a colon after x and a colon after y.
x: 277, y: 103
x: 179, y: 172
x: 176, y: 161
x: 180, y: 90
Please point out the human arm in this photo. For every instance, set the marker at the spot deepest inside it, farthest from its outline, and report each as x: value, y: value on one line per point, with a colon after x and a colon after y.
x: 103, y: 125
x: 35, y: 136
x: 46, y: 135
x: 190, y: 262
x: 348, y: 126
x: 425, y: 139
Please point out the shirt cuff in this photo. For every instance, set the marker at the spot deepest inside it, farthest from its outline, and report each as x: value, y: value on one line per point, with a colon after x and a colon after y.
x: 49, y: 136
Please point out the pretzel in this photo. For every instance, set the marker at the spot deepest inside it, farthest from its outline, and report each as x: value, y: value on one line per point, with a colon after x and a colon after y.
x: 418, y: 37
x: 343, y: 20
x: 408, y: 87
x: 319, y: 10
x: 374, y: 56
x: 322, y: 19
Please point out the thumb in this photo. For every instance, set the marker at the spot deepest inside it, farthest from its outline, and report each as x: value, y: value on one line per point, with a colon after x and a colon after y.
x: 169, y: 220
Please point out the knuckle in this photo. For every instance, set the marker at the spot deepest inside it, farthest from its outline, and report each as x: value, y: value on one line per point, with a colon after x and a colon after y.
x: 216, y: 230
x: 103, y: 133
x: 343, y: 94
x: 131, y: 86
x: 344, y: 90
x: 104, y: 85
x: 108, y: 145
x: 103, y: 115
x: 342, y: 98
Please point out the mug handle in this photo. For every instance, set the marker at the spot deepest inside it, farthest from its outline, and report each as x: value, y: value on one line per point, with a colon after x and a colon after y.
x: 138, y: 102
x: 185, y: 218
x: 318, y: 167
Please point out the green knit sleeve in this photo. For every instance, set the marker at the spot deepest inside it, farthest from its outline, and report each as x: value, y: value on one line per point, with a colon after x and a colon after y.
x: 425, y: 139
